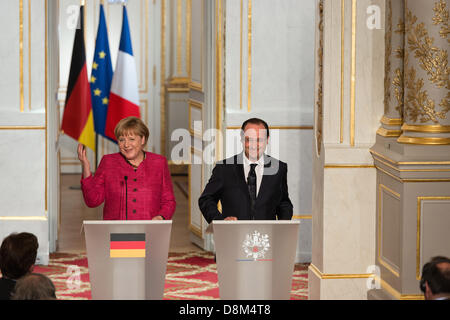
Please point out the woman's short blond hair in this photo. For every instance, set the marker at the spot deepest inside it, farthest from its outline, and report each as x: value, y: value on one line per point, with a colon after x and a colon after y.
x: 131, y: 125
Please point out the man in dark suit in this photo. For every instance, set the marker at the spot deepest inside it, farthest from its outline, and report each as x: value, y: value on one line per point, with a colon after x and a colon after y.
x: 435, y: 280
x: 250, y: 185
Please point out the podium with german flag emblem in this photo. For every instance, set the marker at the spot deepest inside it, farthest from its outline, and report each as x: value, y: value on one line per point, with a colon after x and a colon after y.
x: 127, y: 259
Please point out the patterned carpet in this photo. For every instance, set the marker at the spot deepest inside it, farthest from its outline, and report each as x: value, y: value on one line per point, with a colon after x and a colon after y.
x: 191, y: 276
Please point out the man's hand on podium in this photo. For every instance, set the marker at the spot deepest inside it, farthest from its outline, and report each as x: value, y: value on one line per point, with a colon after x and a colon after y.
x: 230, y: 219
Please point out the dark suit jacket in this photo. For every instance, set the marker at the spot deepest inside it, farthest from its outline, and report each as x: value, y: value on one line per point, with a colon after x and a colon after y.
x: 228, y: 184
x: 6, y: 288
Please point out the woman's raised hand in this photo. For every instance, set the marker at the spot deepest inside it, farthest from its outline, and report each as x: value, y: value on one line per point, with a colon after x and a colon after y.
x: 86, y: 166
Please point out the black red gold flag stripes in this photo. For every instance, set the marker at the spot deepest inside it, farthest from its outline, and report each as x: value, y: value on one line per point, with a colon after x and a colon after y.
x: 78, y: 120
x: 127, y: 245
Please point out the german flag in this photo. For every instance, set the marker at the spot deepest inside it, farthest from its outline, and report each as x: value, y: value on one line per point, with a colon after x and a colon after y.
x: 127, y: 245
x: 78, y: 119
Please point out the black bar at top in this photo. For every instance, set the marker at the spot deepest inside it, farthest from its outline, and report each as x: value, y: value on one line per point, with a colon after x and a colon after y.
x: 127, y: 236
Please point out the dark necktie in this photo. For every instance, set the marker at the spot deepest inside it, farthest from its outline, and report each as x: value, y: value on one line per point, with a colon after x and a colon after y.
x: 251, y: 183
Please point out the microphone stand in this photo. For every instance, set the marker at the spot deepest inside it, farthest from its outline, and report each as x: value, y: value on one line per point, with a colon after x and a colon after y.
x: 126, y: 197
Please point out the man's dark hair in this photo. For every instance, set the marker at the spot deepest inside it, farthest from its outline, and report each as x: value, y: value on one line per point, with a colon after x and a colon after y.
x: 17, y: 254
x: 255, y: 121
x: 438, y: 279
x: 34, y: 286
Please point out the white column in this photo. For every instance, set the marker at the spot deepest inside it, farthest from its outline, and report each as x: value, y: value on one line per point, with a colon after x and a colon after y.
x: 24, y: 148
x: 344, y: 177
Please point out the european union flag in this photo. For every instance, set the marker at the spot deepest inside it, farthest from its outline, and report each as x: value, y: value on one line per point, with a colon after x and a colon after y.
x: 101, y: 76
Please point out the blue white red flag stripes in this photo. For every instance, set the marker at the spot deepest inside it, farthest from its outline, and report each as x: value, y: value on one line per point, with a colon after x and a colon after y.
x: 124, y: 95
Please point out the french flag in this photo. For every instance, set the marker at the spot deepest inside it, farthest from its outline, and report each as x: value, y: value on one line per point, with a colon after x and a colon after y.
x: 124, y: 95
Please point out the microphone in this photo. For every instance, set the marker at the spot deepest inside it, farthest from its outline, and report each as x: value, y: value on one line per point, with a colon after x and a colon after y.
x: 126, y: 197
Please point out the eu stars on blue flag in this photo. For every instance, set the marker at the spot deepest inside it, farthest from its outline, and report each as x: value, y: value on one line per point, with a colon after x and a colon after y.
x: 101, y: 76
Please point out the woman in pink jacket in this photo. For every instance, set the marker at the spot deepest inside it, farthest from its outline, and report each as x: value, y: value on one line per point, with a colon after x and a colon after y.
x: 134, y: 184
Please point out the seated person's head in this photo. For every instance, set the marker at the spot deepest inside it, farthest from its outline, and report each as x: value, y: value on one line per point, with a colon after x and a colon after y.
x: 18, y: 254
x: 435, y: 281
x: 34, y: 286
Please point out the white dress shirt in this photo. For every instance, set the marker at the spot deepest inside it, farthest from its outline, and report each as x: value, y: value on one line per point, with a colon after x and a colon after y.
x: 259, y: 170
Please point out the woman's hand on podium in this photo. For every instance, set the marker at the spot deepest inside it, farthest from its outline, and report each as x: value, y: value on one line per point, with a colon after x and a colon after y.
x: 158, y: 218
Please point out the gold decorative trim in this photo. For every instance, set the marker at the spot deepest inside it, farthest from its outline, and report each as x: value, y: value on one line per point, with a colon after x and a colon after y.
x: 278, y: 127
x: 426, y: 180
x: 318, y: 99
x: 391, y: 121
x: 385, y: 264
x: 397, y: 294
x: 195, y: 230
x: 197, y: 105
x: 341, y: 140
x: 411, y: 170
x: 426, y: 128
x: 432, y: 60
x: 388, y: 133
x: 179, y: 36
x: 249, y: 66
x: 387, y: 54
x: 177, y: 89
x: 321, y: 275
x: 197, y: 86
x: 241, y: 52
x: 306, y: 216
x: 163, y: 78
x: 29, y: 55
x: 21, y: 86
x: 411, y: 180
x: 418, y: 238
x: 423, y: 141
x: 46, y: 101
x: 219, y: 71
x: 409, y: 162
x: 348, y: 166
x: 353, y: 77
x: 28, y: 218
x: 196, y: 151
x: 144, y: 104
x: 70, y: 163
x: 188, y: 37
x: 22, y: 128
x: 145, y: 90
x: 179, y: 81
x: 389, y: 174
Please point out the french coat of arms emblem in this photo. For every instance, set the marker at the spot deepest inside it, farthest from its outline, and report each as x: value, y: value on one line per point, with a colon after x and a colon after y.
x: 256, y: 245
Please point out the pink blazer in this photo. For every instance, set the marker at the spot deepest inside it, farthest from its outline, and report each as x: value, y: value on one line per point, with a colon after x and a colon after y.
x: 149, y: 188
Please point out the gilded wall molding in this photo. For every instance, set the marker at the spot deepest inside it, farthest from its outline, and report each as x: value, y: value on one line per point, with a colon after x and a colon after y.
x: 393, y: 78
x: 419, y: 105
x: 420, y: 201
x: 382, y: 189
x: 328, y: 276
x: 319, y: 86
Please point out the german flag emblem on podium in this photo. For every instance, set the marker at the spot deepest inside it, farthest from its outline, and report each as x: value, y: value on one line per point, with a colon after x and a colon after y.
x: 127, y: 245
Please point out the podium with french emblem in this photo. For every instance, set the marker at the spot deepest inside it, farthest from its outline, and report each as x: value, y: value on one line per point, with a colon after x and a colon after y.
x: 127, y: 259
x: 255, y: 259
